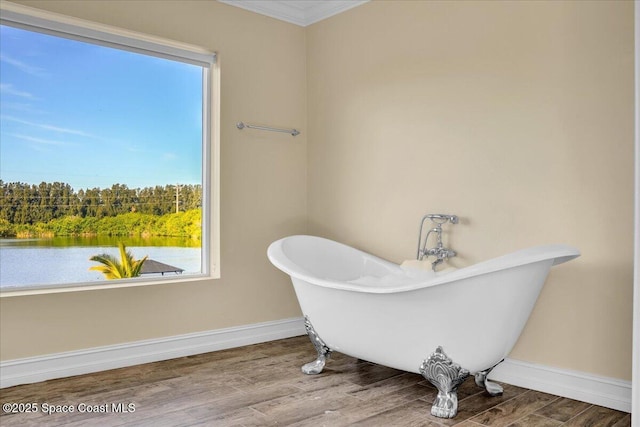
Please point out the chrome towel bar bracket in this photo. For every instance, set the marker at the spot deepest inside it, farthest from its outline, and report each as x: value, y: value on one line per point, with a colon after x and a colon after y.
x: 242, y: 125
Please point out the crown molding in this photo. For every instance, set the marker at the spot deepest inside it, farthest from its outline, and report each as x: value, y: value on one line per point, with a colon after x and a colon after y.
x: 299, y: 12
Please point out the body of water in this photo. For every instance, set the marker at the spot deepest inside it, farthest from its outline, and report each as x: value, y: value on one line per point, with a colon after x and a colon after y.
x: 37, y: 262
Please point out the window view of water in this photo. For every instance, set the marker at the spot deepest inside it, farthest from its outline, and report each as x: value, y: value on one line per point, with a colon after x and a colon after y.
x: 92, y: 146
x: 38, y: 262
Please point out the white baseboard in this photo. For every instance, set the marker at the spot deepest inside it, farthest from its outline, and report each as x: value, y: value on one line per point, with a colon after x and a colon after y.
x: 602, y: 391
x: 608, y: 392
x: 60, y: 365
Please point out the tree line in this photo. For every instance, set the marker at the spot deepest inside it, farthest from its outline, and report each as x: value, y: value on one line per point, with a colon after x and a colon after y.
x: 183, y: 224
x: 29, y: 204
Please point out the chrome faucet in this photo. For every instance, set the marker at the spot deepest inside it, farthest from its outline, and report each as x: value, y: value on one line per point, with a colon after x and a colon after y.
x: 439, y: 251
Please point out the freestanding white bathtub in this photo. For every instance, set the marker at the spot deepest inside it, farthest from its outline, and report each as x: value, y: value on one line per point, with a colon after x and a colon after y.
x: 444, y: 325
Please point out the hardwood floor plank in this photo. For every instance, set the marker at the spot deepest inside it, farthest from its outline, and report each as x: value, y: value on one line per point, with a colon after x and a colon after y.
x: 597, y: 416
x: 534, y: 420
x: 368, y: 373
x: 408, y: 415
x: 207, y: 415
x: 262, y: 385
x: 327, y: 379
x: 468, y: 423
x: 292, y: 408
x: 563, y: 409
x: 514, y: 409
x: 360, y: 410
x: 386, y: 386
x: 624, y: 421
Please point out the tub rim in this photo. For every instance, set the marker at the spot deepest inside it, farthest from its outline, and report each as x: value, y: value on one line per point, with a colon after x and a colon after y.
x: 415, y: 278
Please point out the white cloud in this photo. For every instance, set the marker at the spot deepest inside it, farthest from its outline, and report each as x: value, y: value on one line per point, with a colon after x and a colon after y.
x: 39, y: 140
x: 47, y: 127
x: 22, y: 66
x: 10, y: 90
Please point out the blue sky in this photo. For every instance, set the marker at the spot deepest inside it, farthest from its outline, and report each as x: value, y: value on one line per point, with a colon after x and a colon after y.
x: 92, y: 116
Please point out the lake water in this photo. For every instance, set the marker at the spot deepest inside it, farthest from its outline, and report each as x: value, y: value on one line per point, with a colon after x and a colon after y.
x: 37, y: 262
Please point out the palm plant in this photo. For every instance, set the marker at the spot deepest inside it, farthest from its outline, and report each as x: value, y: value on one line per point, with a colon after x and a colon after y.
x: 113, y: 268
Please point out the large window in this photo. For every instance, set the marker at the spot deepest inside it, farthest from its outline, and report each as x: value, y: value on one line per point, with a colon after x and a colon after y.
x: 106, y: 170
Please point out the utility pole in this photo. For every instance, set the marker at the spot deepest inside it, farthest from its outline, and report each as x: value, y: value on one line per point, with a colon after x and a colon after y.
x: 177, y: 198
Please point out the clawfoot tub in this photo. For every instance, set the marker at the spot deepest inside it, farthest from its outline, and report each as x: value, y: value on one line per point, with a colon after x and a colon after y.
x: 445, y: 325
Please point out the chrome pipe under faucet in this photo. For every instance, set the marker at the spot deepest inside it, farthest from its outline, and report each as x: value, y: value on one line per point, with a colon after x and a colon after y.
x: 439, y: 251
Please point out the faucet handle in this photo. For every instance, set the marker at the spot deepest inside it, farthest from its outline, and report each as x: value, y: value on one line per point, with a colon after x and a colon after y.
x: 442, y: 218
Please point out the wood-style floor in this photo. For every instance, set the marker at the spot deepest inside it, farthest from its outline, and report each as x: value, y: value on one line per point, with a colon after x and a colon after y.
x: 261, y: 385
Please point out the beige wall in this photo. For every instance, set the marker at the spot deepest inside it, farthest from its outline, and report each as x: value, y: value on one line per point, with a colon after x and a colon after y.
x: 263, y: 189
x: 517, y: 116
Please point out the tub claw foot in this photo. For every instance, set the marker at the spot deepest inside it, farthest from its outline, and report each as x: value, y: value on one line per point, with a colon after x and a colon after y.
x: 494, y: 389
x: 446, y: 376
x: 315, y: 367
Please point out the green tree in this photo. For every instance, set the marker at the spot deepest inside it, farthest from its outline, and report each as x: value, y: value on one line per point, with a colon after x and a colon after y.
x: 6, y: 229
x: 112, y: 268
x: 29, y: 204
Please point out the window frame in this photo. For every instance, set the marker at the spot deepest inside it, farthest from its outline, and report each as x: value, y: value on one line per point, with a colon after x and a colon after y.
x: 50, y: 23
